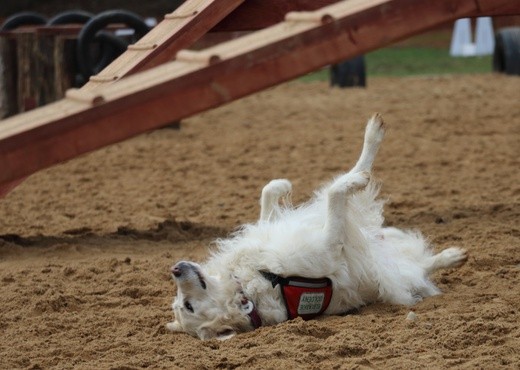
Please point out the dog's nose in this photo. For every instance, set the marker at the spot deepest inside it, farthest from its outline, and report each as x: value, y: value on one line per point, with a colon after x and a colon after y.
x: 176, y: 271
x: 179, y: 268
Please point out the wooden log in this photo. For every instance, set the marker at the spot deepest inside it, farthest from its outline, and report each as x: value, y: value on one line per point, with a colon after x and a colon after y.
x: 65, y: 66
x: 42, y: 73
x: 25, y: 48
x: 46, y: 67
x: 8, y: 80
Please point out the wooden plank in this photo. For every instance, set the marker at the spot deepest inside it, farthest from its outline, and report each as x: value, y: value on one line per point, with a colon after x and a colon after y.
x: 180, y: 29
x: 175, y: 90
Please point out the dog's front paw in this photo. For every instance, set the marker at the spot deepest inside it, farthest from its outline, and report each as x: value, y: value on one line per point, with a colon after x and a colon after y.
x: 277, y: 188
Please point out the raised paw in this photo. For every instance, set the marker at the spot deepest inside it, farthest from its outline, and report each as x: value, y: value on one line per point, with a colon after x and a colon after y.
x: 277, y: 188
x: 375, y: 130
x: 272, y: 193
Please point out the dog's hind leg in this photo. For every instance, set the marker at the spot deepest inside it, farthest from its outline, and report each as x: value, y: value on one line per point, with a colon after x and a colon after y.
x: 450, y: 257
x: 269, y: 200
x: 374, y: 134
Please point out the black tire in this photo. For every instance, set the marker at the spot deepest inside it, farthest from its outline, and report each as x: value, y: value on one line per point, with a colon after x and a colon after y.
x: 70, y: 17
x: 23, y: 19
x: 111, y: 47
x: 349, y: 73
x: 86, y: 65
x: 506, y: 56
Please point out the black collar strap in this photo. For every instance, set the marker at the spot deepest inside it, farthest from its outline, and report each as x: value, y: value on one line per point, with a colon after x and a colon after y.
x: 274, y: 279
x: 297, y: 281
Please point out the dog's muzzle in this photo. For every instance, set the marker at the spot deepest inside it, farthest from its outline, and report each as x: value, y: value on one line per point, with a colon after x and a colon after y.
x: 185, y: 269
x: 182, y: 268
x: 178, y: 269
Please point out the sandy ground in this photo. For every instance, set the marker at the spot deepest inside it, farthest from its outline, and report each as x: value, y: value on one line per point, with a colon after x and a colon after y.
x: 85, y: 247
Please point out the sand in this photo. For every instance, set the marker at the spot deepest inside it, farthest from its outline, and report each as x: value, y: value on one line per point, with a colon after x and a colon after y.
x: 86, y: 247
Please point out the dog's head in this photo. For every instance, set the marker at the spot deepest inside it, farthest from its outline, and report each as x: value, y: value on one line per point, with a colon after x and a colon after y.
x: 208, y: 306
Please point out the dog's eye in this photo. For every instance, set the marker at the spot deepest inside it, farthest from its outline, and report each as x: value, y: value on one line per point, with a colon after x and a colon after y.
x: 188, y: 306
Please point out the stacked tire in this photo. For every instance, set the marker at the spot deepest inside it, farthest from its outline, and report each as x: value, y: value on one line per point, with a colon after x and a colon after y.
x: 506, y: 56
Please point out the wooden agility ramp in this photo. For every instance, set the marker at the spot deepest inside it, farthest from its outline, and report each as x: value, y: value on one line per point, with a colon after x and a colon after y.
x: 105, y: 112
x: 189, y: 23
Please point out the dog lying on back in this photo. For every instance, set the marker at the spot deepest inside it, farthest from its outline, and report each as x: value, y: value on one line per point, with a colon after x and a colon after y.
x: 327, y: 256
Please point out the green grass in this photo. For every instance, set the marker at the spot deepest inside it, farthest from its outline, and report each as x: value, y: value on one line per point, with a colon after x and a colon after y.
x: 408, y: 61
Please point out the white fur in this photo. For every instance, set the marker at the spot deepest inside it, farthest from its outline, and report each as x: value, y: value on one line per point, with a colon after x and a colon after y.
x: 338, y: 234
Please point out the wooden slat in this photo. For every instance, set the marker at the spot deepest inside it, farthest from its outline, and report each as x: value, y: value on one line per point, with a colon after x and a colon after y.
x: 179, y: 30
x: 148, y: 100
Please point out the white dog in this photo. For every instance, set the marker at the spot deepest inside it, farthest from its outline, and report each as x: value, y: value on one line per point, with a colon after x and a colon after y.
x: 327, y: 256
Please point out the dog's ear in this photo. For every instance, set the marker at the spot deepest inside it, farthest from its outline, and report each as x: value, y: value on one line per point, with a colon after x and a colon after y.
x: 174, y: 326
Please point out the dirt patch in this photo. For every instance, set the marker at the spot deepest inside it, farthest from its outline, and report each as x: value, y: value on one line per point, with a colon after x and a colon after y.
x: 85, y: 247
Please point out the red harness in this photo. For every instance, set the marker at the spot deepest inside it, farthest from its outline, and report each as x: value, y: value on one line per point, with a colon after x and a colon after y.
x: 304, y: 297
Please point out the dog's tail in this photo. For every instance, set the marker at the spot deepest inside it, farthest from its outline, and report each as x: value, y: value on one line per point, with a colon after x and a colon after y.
x: 374, y: 133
